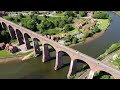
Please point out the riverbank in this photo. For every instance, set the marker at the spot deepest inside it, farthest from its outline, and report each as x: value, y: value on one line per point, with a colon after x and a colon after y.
x: 11, y: 58
x: 95, y: 36
x: 116, y: 12
x: 19, y: 57
x: 89, y: 39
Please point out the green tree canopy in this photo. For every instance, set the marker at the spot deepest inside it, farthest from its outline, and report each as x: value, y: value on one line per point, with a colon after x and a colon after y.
x: 69, y: 13
x: 100, y: 15
x: 68, y: 28
x: 83, y: 13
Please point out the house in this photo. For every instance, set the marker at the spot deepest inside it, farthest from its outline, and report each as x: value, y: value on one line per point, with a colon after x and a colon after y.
x: 2, y: 46
x: 79, y: 25
x: 10, y: 48
x: 13, y: 49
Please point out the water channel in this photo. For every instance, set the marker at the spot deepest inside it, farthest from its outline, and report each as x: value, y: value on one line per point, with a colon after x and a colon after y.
x: 35, y: 69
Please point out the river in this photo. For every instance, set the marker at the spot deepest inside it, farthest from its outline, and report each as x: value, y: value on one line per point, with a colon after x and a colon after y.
x: 35, y: 69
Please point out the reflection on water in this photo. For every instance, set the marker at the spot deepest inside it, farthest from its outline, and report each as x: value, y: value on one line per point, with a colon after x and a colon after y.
x: 35, y: 69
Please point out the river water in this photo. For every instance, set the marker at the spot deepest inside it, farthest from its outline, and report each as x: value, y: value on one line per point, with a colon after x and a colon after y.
x: 35, y: 69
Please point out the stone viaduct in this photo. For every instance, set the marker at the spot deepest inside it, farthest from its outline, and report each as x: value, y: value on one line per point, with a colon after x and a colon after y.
x: 22, y: 34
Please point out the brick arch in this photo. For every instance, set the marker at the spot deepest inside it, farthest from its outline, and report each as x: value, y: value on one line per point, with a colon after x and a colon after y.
x: 27, y: 41
x: 12, y: 32
x: 50, y: 46
x: 89, y: 64
x: 105, y: 72
x: 46, y: 51
x: 45, y: 43
x: 60, y: 62
x: 19, y: 36
x: 36, y: 47
x: 36, y: 39
x: 81, y: 63
x: 4, y: 26
x: 65, y: 53
x: 60, y: 57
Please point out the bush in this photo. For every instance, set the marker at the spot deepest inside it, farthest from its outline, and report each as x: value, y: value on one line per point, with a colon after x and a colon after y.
x: 62, y: 23
x: 69, y: 13
x: 110, y: 18
x: 4, y: 36
x: 96, y: 29
x: 68, y: 28
x: 105, y: 77
x: 86, y: 33
x: 74, y: 40
x: 67, y: 43
x: 111, y: 49
x: 81, y: 39
x: 101, y: 15
x: 85, y: 67
x: 68, y: 38
x: 83, y: 13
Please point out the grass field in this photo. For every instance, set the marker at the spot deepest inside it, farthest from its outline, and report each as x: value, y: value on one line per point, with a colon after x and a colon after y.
x: 4, y: 53
x: 104, y: 24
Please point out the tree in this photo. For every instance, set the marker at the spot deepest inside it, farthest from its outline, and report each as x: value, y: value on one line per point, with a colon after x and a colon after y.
x: 11, y: 18
x: 40, y: 28
x: 67, y: 28
x: 68, y: 38
x: 68, y: 19
x: 24, y: 22
x: 16, y: 20
x: 47, y: 24
x: 32, y: 14
x: 62, y: 23
x: 96, y: 29
x: 31, y: 25
x: 101, y: 15
x: 45, y: 16
x: 86, y: 33
x: 76, y: 12
x: 105, y: 77
x: 83, y: 13
x: 35, y: 18
x: 5, y: 36
x: 69, y: 14
x: 21, y: 16
x: 74, y: 40
x: 56, y: 23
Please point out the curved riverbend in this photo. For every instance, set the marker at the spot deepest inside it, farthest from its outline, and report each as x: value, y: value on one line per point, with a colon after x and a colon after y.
x: 34, y: 68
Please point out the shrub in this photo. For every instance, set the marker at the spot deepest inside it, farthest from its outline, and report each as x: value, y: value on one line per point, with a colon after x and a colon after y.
x: 101, y: 15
